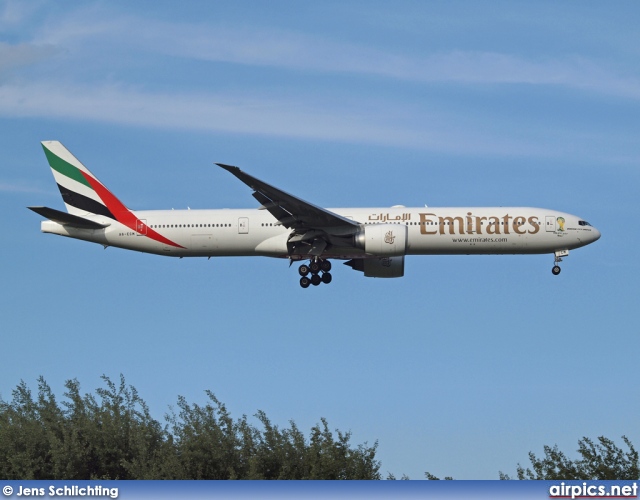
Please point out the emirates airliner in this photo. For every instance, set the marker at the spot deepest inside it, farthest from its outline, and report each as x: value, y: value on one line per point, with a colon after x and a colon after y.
x: 374, y: 241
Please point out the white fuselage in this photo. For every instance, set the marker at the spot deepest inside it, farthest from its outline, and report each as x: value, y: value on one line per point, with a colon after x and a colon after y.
x: 429, y: 231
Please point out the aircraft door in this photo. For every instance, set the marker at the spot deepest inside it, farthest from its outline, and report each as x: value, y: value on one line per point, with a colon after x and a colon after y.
x: 243, y: 225
x: 141, y: 227
x: 551, y: 223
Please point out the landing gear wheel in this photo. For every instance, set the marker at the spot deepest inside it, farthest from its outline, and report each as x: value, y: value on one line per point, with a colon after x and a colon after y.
x: 314, y: 266
x: 315, y: 280
x: 325, y: 265
x: 305, y: 282
x: 326, y: 278
x: 303, y: 270
x: 556, y: 270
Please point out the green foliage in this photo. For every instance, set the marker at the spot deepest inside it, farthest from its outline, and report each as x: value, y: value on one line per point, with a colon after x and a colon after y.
x: 211, y: 445
x: 602, y: 460
x: 392, y: 477
x: 431, y: 477
x: 113, y: 436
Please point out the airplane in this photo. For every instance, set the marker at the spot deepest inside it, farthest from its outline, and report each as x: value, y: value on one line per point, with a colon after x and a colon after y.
x: 374, y: 241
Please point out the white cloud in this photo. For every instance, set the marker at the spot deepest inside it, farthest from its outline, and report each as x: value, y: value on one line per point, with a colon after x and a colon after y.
x: 295, y: 51
x: 259, y: 46
x: 85, y: 35
x: 15, y: 12
x: 244, y: 115
x: 240, y: 114
x: 182, y: 111
x: 23, y: 54
x: 11, y: 187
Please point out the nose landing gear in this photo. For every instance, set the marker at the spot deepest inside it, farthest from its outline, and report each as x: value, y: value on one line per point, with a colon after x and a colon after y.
x: 558, y: 258
x: 315, y: 267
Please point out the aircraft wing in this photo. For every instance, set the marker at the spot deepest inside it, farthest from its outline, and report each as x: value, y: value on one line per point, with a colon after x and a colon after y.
x: 293, y: 212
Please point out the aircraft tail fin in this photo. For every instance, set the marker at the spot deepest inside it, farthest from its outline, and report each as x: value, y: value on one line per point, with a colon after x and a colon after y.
x: 81, y: 191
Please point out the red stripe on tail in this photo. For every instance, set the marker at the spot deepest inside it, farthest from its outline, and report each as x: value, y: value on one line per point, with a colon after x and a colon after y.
x: 124, y: 215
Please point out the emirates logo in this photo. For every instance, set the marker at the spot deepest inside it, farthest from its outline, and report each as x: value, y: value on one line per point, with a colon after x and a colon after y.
x: 389, y: 238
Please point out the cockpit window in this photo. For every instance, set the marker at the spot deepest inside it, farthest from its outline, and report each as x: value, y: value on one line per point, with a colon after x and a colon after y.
x: 583, y: 223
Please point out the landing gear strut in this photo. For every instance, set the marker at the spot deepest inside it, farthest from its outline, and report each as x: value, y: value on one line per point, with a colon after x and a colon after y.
x: 315, y: 267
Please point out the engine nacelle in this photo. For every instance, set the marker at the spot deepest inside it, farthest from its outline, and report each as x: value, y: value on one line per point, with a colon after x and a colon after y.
x: 383, y: 267
x: 383, y: 240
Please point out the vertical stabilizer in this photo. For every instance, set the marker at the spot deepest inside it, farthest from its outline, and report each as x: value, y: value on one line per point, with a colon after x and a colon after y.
x: 81, y: 191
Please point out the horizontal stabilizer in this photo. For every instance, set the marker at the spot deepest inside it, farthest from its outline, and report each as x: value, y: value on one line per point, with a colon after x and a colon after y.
x: 67, y: 219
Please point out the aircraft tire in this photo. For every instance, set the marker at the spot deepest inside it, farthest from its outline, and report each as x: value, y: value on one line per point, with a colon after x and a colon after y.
x: 325, y: 265
x: 316, y: 280
x: 315, y: 267
x: 556, y: 270
x: 326, y: 278
x: 305, y: 282
x: 303, y: 270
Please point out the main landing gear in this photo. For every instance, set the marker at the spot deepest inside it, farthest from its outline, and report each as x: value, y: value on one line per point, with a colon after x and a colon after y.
x: 315, y: 267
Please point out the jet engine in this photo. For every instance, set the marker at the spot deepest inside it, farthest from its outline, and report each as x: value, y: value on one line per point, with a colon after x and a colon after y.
x: 382, y: 240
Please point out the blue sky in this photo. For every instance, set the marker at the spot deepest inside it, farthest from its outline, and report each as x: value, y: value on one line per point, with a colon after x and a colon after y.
x: 459, y: 368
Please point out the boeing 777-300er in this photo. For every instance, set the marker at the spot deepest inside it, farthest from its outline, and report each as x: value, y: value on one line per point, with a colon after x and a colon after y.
x: 374, y: 241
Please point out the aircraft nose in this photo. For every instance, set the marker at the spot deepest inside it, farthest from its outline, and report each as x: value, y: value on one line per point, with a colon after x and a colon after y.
x: 588, y: 234
x: 595, y: 235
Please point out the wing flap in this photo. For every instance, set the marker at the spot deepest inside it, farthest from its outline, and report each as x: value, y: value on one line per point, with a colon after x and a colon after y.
x: 273, y: 207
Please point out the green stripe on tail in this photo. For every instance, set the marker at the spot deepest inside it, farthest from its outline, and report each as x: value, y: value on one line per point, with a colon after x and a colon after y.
x: 66, y: 169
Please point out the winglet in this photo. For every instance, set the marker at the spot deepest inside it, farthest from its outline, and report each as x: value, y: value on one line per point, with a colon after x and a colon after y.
x: 249, y: 180
x: 229, y: 168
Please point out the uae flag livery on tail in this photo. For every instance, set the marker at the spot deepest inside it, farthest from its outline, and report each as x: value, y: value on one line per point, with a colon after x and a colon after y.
x: 76, y: 183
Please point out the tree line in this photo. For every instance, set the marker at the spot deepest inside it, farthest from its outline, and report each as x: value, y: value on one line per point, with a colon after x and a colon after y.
x: 111, y: 435
x: 601, y: 460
